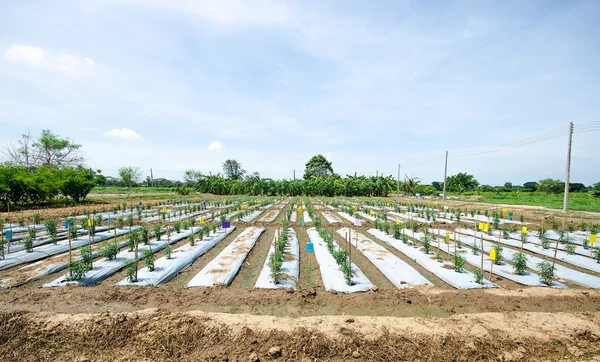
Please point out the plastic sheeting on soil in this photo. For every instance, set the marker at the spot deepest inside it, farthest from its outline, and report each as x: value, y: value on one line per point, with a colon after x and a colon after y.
x: 61, y: 235
x: 504, y: 270
x: 270, y: 216
x: 294, y: 216
x: 444, y: 271
x: 181, y: 258
x: 102, y: 269
x: 251, y: 216
x: 290, y: 267
x: 332, y: 276
x: 401, y: 274
x: 222, y: 269
x: 332, y: 219
x: 307, y: 217
x: 577, y: 260
x: 561, y: 272
x: 42, y: 252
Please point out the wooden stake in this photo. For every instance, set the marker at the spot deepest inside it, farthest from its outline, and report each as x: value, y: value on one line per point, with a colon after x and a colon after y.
x: 490, y: 276
x: 554, y: 260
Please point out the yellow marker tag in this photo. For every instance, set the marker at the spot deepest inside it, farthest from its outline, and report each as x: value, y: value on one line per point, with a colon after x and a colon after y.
x: 435, y: 203
x: 493, y: 254
x: 371, y: 212
x: 524, y: 229
x: 593, y: 238
x: 486, y: 226
x: 354, y: 208
x: 447, y: 238
x: 202, y: 221
x: 505, y: 210
x: 480, y: 226
x: 397, y: 222
x: 89, y: 222
x: 299, y: 208
x: 164, y: 209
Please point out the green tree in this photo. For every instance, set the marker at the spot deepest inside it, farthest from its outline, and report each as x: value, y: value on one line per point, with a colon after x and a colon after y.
x: 130, y: 176
x: 54, y: 151
x: 595, y: 190
x: 77, y: 182
x: 318, y: 166
x: 233, y: 169
x: 530, y: 186
x: 550, y: 186
x: 461, y: 182
x: 439, y: 186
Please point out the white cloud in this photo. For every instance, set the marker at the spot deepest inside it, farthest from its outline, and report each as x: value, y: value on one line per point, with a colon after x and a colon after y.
x: 38, y: 57
x: 215, y: 146
x: 123, y: 133
x: 31, y: 55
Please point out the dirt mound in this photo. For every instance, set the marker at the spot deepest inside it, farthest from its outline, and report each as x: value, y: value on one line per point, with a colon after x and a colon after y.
x: 154, y: 335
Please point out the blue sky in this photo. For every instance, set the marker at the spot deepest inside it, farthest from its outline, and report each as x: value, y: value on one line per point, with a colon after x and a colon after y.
x: 175, y: 85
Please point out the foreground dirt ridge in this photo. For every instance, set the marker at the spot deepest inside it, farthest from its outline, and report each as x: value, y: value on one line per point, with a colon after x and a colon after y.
x: 156, y: 334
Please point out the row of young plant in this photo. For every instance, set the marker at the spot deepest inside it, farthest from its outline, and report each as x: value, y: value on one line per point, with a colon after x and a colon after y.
x: 340, y: 255
x: 276, y: 258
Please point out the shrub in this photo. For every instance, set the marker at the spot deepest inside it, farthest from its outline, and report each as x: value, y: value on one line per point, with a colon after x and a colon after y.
x: 21, y: 221
x: 132, y: 239
x: 459, y: 262
x: 475, y: 248
x: 570, y: 248
x: 28, y: 243
x: 51, y: 229
x: 405, y: 238
x: 156, y: 229
x: 546, y: 272
x: 36, y: 219
x: 110, y: 250
x: 131, y: 270
x: 177, y: 226
x: 545, y: 242
x: 519, y: 261
x: 597, y: 253
x: 478, y: 275
x: 77, y: 270
x: 499, y: 256
x: 426, y: 244
x: 144, y: 235
x: 439, y: 258
x: 73, y: 232
x: 120, y: 223
x: 168, y: 251
x: 149, y: 259
x: 397, y: 230
x: 31, y: 232
x: 386, y: 228
x: 505, y: 233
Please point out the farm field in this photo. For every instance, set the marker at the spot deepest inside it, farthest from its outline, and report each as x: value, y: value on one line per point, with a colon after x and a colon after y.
x: 366, y: 278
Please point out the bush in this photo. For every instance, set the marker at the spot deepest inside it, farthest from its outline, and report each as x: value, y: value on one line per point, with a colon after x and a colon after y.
x: 519, y: 263
x: 168, y: 251
x: 157, y: 231
x: 177, y: 226
x: 499, y: 256
x: 77, y: 270
x: 459, y: 262
x: 28, y: 243
x: 597, y: 253
x: 110, y: 250
x: 405, y: 238
x: 51, y: 229
x: 546, y: 272
x: 475, y: 248
x: 36, y: 219
x: 120, y: 223
x: 570, y: 248
x: 131, y: 270
x: 73, y: 232
x: 478, y: 275
x: 149, y: 259
x: 426, y: 244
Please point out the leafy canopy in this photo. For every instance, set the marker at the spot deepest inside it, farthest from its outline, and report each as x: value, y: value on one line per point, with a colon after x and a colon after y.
x: 318, y: 166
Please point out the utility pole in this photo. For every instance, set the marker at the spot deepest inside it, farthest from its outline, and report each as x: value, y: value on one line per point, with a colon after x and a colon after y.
x: 445, y: 175
x: 294, y: 175
x: 566, y: 200
x: 151, y: 178
x: 377, y: 173
x: 398, y: 179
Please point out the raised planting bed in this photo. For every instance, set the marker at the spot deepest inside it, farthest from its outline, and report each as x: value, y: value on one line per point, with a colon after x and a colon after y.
x: 104, y: 268
x: 166, y: 269
x: 222, y: 269
x: 401, y: 274
x: 290, y: 265
x: 333, y: 277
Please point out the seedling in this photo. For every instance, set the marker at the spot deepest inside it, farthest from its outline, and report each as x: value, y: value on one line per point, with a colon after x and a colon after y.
x: 149, y: 259
x: 177, y: 226
x: 459, y: 262
x: 120, y: 223
x: 28, y: 243
x: 546, y: 272
x: 110, y: 250
x: 131, y: 270
x: 439, y: 258
x: 36, y: 219
x: 168, y: 251
x: 21, y: 221
x: 597, y: 254
x: 570, y: 248
x: 156, y: 231
x: 519, y: 262
x: 475, y: 249
x: 426, y: 244
x: 478, y: 275
x: 499, y: 257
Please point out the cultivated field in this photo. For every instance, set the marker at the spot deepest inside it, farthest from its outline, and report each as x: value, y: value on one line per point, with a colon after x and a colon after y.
x: 299, y: 278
